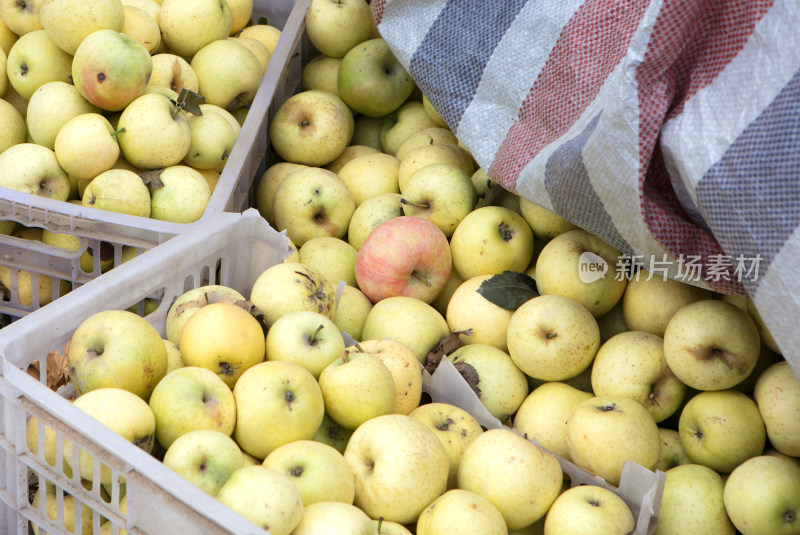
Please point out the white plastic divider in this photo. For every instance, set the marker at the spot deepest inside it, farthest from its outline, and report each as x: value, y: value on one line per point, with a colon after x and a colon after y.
x: 93, y: 226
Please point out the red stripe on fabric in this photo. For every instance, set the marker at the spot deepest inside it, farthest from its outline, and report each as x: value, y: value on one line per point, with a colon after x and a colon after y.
x: 585, y: 53
x: 377, y: 10
x: 691, y: 43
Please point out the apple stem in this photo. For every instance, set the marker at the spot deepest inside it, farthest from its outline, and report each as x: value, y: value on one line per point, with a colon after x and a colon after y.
x: 420, y: 277
x: 360, y: 349
x: 176, y: 112
x: 380, y: 523
x: 314, y: 336
x: 719, y: 353
x: 121, y: 130
x: 404, y: 201
x: 303, y: 123
x: 243, y: 102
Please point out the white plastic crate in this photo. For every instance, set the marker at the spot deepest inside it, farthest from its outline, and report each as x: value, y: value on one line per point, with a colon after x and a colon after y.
x: 246, y: 163
x: 230, y: 249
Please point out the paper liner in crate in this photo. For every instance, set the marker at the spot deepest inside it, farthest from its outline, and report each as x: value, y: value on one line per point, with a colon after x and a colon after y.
x: 640, y: 488
x: 667, y: 128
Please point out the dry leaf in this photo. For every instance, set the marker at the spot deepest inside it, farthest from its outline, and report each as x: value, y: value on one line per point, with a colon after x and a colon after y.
x: 57, y: 369
x: 443, y: 347
x: 152, y: 178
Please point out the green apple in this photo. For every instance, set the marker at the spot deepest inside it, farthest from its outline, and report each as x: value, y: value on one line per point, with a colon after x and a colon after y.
x: 552, y: 337
x: 334, y: 27
x: 409, y: 321
x: 650, y: 301
x: 692, y: 503
x: 371, y: 213
x: 86, y: 146
x: 191, y: 398
x: 311, y: 128
x: 333, y: 257
x: 406, y: 120
x: 224, y: 338
x: 518, y: 477
x: 281, y: 396
x: 212, y: 139
x: 332, y: 434
x: 590, y: 510
x: 334, y: 518
x: 370, y: 175
x: 319, y: 471
x: 182, y: 196
x: 402, y: 364
x: 21, y: 17
x: 432, y: 112
x: 500, y: 385
x: 605, y: 432
x: 291, y: 286
x: 321, y: 72
x: 425, y: 136
x: 543, y: 415
x: 143, y: 27
x: 156, y: 134
x: 711, y: 344
x: 312, y: 202
x: 226, y: 70
x: 116, y: 348
x: 205, y: 457
x: 69, y: 22
x: 357, y: 387
x: 721, y: 429
x: 118, y: 190
x: 475, y: 318
x: 124, y: 413
x: 441, y: 193
x: 14, y: 131
x: 442, y: 300
x: 433, y: 153
x: 173, y: 72
x: 352, y: 311
x: 371, y: 80
x: 306, y: 338
x: 671, y: 453
x: 174, y: 360
x: 777, y: 393
x: 35, y: 60
x: 191, y: 301
x: 580, y: 265
x: 111, y: 69
x: 762, y: 495
x: 50, y: 107
x: 350, y: 152
x: 454, y: 427
x: 268, y: 182
x: 490, y: 240
x: 400, y: 466
x: 265, y: 496
x: 366, y: 130
x: 189, y: 25
x: 544, y: 223
x: 34, y: 169
x: 632, y: 364
x: 459, y: 512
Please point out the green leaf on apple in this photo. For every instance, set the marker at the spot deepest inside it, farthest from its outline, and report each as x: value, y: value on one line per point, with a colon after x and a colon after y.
x: 152, y: 178
x: 189, y: 101
x: 509, y: 289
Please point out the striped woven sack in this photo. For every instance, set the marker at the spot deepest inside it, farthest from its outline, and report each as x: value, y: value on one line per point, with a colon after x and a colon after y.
x: 670, y: 129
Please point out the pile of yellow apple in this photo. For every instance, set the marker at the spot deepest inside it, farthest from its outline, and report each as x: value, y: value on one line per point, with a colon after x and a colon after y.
x: 100, y: 103
x: 300, y: 404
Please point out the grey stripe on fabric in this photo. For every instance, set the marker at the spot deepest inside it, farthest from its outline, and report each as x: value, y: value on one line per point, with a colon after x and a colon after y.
x: 572, y: 194
x: 751, y: 196
x: 449, y: 63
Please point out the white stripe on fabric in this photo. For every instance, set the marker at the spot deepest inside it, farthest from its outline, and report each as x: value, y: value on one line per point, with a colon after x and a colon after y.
x: 736, y: 97
x: 778, y: 300
x: 405, y: 38
x: 509, y: 75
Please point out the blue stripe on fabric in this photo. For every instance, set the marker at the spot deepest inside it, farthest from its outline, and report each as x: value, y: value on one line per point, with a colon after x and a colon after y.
x: 572, y: 194
x: 751, y: 196
x: 449, y: 63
